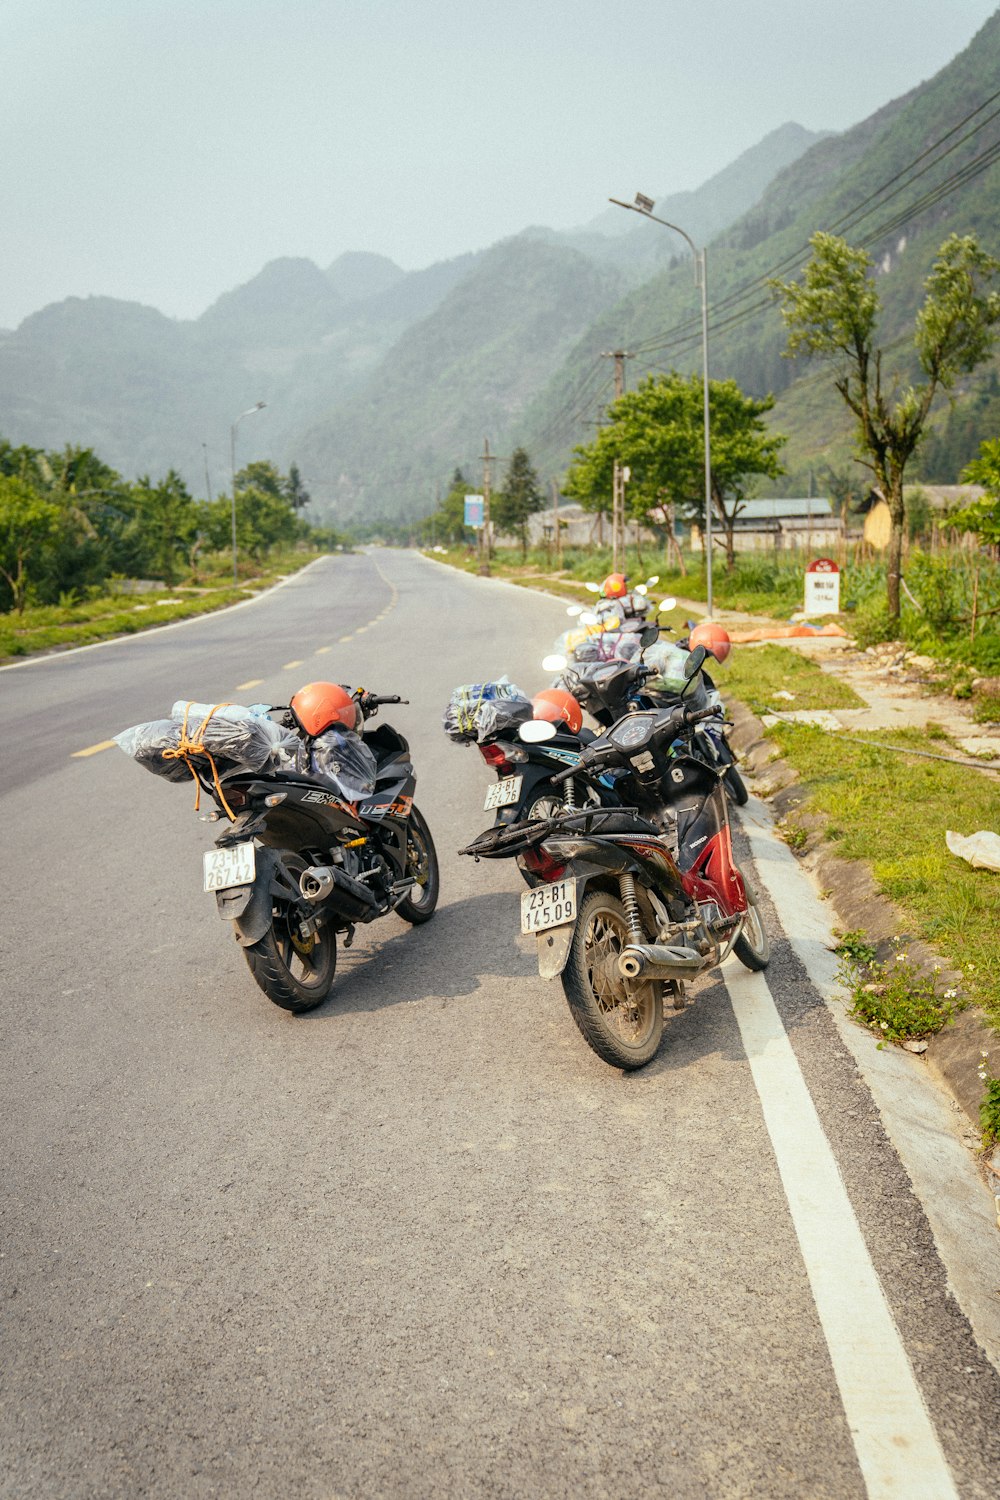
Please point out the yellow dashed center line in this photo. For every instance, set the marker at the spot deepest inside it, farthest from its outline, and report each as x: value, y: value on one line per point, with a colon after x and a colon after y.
x: 344, y: 639
x: 290, y: 664
x: 321, y: 649
x: 241, y: 687
x: 92, y: 749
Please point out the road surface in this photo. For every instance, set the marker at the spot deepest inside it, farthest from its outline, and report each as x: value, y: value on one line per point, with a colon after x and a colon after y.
x: 422, y: 1242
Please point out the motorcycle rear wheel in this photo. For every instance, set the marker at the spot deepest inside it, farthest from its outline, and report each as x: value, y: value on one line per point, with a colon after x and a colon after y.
x: 621, y: 1019
x: 421, y: 861
x: 294, y: 973
x: 735, y: 786
x: 753, y: 946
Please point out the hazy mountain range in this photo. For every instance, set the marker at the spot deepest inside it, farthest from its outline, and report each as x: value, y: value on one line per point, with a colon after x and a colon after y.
x: 378, y: 381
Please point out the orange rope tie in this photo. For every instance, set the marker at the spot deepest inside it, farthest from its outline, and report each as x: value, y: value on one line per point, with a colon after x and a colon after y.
x: 195, y: 745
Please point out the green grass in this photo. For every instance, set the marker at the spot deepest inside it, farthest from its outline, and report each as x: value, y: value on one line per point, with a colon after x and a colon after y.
x: 755, y: 675
x: 892, y: 811
x: 49, y: 627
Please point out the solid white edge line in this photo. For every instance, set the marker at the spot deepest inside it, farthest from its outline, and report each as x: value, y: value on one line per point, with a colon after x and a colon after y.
x: 896, y: 1445
x: 920, y: 1118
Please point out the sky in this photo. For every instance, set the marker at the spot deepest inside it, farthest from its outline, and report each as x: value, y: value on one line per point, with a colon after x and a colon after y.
x: 163, y: 151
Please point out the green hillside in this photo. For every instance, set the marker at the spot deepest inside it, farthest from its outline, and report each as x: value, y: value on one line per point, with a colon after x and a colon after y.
x: 922, y: 167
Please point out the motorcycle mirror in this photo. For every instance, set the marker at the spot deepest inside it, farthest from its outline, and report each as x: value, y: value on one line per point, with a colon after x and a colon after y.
x: 694, y: 664
x: 534, y: 731
x: 592, y: 588
x: 587, y: 617
x: 554, y: 663
x: 641, y: 588
x: 651, y: 582
x: 574, y: 610
x: 665, y: 606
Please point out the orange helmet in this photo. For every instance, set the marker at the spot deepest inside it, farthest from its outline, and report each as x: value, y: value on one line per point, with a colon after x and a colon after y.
x: 320, y: 705
x: 614, y: 586
x: 713, y: 637
x: 559, y: 707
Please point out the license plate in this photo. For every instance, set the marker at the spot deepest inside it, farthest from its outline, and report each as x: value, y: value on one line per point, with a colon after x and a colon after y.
x: 548, y: 906
x: 227, y: 867
x: 504, y: 793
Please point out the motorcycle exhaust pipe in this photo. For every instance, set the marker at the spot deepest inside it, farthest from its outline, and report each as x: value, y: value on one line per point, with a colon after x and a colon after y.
x: 317, y: 882
x: 656, y: 958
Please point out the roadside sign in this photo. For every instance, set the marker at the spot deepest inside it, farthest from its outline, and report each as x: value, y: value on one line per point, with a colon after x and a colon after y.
x: 474, y: 511
x: 822, y: 587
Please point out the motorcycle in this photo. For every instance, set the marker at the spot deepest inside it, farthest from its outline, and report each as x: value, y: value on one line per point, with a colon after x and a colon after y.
x: 525, y: 750
x: 304, y: 855
x: 637, y: 901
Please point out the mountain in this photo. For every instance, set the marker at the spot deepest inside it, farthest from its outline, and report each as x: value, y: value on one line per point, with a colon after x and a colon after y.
x: 899, y: 182
x: 383, y: 378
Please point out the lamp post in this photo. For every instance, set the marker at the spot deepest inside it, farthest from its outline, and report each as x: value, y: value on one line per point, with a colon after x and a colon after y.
x: 232, y: 460
x: 645, y: 206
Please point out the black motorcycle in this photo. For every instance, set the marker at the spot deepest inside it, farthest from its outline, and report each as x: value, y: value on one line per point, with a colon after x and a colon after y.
x: 300, y: 861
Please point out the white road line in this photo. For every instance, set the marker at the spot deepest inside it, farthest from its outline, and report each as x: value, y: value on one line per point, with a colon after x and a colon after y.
x: 896, y: 1445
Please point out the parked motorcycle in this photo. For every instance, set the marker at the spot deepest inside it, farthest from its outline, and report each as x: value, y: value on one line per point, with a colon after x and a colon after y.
x: 636, y: 901
x: 305, y: 854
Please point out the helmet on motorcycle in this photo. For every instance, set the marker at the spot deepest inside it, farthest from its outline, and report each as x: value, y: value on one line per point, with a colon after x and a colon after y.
x: 614, y: 586
x: 559, y: 707
x: 713, y: 637
x: 320, y: 705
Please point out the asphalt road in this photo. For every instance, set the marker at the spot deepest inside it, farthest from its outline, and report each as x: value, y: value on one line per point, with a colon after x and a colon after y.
x: 421, y: 1241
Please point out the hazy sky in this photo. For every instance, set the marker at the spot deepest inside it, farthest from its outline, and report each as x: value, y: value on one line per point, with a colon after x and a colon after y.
x: 164, y: 150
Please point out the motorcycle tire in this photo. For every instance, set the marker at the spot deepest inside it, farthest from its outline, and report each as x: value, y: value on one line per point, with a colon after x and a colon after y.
x: 735, y: 787
x: 295, y: 974
x: 753, y: 946
x: 621, y: 1019
x: 422, y: 861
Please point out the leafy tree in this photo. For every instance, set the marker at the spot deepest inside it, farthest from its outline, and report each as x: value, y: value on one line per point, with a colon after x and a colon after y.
x: 164, y: 525
x: 834, y: 312
x: 264, y: 476
x: 29, y: 525
x: 658, y: 431
x: 983, y: 516
x: 447, y: 523
x: 520, y: 498
x: 296, y: 493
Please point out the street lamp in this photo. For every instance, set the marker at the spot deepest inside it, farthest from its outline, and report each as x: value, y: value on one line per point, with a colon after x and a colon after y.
x: 645, y: 206
x: 232, y: 460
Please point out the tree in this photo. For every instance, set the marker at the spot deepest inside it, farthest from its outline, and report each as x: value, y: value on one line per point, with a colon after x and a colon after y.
x: 520, y: 498
x: 983, y: 516
x: 29, y: 525
x: 296, y: 493
x: 834, y: 312
x: 165, y: 523
x: 264, y: 476
x: 447, y: 523
x: 658, y: 431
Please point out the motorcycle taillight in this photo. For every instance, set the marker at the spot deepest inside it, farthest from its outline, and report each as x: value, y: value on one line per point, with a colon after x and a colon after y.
x: 494, y: 756
x: 543, y: 865
x: 236, y: 798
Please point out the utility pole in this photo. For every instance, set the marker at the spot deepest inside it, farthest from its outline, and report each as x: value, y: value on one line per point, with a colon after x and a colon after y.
x: 617, y: 482
x: 484, y: 556
x: 555, y: 524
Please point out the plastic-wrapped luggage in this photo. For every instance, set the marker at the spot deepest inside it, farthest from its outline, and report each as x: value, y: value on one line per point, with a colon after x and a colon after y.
x: 670, y: 661
x: 478, y: 710
x: 229, y: 736
x: 342, y: 758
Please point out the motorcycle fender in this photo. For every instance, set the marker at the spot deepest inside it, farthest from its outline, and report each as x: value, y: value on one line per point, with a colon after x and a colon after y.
x: 252, y: 918
x: 553, y: 950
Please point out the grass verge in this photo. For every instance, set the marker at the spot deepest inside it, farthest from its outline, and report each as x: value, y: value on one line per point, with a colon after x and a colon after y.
x: 53, y: 627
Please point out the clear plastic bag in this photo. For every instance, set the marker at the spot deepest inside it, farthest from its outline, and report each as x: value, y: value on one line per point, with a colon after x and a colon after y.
x: 145, y: 743
x: 342, y: 758
x: 236, y: 738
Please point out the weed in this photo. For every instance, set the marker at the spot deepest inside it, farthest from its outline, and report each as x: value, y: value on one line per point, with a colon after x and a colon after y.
x: 989, y: 1105
x: 794, y: 835
x: 854, y: 945
x: 894, y: 999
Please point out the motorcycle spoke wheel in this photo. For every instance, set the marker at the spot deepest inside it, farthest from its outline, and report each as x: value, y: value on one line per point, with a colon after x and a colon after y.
x: 621, y: 1019
x: 421, y: 861
x: 753, y: 946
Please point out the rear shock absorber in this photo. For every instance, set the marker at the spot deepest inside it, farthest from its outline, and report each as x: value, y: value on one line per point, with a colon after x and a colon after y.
x: 570, y: 793
x: 626, y: 885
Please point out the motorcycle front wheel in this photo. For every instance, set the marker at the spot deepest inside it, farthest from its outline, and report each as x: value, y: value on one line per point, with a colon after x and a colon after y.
x: 735, y: 786
x: 753, y: 946
x: 621, y: 1019
x: 421, y: 861
x: 295, y: 972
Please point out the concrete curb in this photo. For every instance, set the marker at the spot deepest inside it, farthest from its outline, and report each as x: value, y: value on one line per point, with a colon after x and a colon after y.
x: 955, y: 1052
